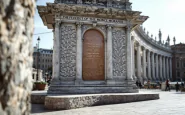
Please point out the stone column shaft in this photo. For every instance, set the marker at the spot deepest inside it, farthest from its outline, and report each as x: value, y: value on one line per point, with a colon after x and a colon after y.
x: 161, y: 68
x: 109, y: 53
x: 164, y: 68
x: 79, y: 54
x: 139, y: 62
x: 133, y: 60
x: 144, y: 64
x: 129, y: 53
x: 149, y: 66
x: 153, y: 67
x: 157, y: 67
x: 56, y: 53
x: 167, y: 68
x: 170, y: 67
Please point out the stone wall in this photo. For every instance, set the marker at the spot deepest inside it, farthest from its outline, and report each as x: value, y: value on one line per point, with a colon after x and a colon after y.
x: 16, y: 30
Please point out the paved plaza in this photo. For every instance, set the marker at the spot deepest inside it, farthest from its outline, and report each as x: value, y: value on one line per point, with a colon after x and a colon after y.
x: 170, y: 103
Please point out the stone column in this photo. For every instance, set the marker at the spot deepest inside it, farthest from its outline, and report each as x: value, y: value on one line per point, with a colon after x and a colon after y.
x: 144, y: 64
x: 149, y: 66
x: 139, y: 62
x: 170, y: 68
x: 157, y: 67
x: 79, y: 1
x: 153, y: 67
x: 133, y: 59
x: 129, y: 53
x: 56, y: 53
x: 164, y: 68
x: 79, y: 54
x: 167, y: 68
x: 109, y: 53
x: 161, y: 68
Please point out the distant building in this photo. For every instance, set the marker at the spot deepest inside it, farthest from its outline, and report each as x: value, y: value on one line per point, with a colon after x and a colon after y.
x: 178, y: 62
x: 44, y: 60
x: 34, y: 75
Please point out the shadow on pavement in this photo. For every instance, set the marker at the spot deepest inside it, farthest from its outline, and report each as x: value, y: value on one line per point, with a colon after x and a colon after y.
x: 39, y: 108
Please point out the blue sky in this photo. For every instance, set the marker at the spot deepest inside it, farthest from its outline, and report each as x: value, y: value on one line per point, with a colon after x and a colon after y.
x: 167, y: 15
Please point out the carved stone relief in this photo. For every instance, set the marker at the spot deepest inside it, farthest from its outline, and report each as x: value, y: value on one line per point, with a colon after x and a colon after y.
x: 68, y: 50
x: 119, y: 52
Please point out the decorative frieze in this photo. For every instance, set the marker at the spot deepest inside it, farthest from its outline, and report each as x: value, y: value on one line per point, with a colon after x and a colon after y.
x: 68, y: 50
x: 119, y: 52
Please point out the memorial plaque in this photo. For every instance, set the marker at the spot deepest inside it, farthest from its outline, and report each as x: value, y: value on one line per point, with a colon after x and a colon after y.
x: 93, y: 56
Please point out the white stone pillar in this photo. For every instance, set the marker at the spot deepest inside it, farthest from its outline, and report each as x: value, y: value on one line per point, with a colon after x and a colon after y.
x: 161, y: 68
x: 109, y: 53
x: 133, y: 59
x: 56, y: 52
x: 79, y: 54
x: 171, y: 68
x: 157, y: 67
x: 153, y: 67
x: 129, y: 53
x: 164, y: 68
x: 139, y: 62
x: 149, y: 66
x: 144, y: 64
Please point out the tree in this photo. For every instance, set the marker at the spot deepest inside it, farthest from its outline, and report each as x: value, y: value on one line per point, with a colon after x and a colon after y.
x: 16, y: 30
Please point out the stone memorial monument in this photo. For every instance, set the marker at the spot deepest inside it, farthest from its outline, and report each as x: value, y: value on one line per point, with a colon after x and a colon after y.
x: 92, y: 45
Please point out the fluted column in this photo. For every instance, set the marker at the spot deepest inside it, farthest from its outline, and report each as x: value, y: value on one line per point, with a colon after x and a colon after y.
x: 144, y: 64
x: 129, y: 53
x: 139, y: 62
x: 149, y: 66
x: 157, y: 67
x: 79, y: 53
x: 171, y: 68
x: 153, y: 67
x: 164, y: 69
x: 133, y: 59
x: 109, y: 53
x: 161, y: 68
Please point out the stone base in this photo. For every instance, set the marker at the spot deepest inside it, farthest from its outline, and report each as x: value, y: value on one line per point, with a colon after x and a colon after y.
x: 90, y: 89
x: 78, y: 101
x: 38, y: 97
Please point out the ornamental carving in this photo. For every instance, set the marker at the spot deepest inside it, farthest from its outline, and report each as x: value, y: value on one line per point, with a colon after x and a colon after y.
x: 119, y: 52
x: 68, y: 50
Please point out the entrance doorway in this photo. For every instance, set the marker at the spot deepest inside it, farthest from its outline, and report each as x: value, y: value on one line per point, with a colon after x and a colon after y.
x: 93, y: 62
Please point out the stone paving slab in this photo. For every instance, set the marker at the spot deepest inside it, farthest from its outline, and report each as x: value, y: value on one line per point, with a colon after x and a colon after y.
x: 170, y: 103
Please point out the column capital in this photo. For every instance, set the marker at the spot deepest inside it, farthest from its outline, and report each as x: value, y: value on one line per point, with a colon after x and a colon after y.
x: 109, y: 27
x: 129, y: 26
x: 143, y: 48
x: 79, y: 24
x: 57, y: 23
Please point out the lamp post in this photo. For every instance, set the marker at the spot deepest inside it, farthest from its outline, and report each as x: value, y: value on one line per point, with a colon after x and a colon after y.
x: 38, y: 39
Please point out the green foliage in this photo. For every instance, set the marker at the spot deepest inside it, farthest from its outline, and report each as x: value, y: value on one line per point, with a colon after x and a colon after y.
x: 40, y: 82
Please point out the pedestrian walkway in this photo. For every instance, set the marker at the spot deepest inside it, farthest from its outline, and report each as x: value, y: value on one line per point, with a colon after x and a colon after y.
x: 170, y: 103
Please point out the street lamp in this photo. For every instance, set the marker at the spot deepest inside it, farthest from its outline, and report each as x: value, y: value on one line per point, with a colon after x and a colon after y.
x: 38, y: 58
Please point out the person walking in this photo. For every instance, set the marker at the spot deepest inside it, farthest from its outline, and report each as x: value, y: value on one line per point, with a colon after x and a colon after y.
x: 167, y: 85
x: 177, y: 86
x: 148, y: 83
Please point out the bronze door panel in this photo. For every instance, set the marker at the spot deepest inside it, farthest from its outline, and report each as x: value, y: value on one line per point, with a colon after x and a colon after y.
x: 93, y: 56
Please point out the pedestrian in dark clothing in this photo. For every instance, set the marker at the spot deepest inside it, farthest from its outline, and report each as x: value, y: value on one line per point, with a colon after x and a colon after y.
x: 140, y: 85
x: 177, y: 86
x: 137, y: 83
x: 182, y: 84
x: 167, y: 85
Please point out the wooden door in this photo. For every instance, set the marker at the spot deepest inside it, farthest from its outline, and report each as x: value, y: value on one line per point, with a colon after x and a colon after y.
x: 93, y: 56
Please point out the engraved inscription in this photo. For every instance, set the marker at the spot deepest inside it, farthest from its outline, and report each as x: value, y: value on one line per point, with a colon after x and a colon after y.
x: 93, y: 56
x: 119, y: 52
x: 68, y: 51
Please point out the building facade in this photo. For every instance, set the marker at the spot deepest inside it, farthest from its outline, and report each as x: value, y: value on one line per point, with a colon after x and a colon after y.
x: 104, y: 48
x: 178, y: 62
x: 43, y: 60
